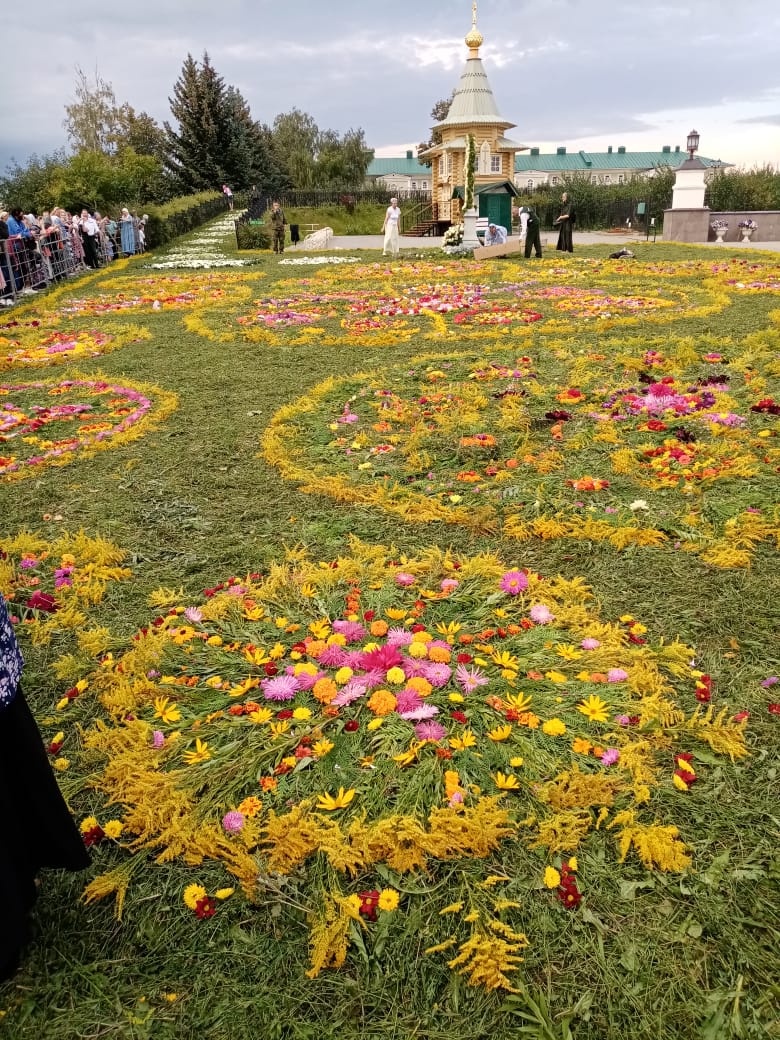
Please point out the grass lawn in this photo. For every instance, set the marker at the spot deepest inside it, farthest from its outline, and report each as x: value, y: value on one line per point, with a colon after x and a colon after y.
x: 420, y: 458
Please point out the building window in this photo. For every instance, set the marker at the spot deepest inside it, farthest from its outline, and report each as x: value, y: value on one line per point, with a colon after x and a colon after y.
x: 554, y: 181
x: 484, y: 158
x: 495, y: 164
x: 621, y: 179
x: 449, y: 162
x: 414, y: 185
x: 530, y: 183
x: 441, y: 166
x: 607, y: 179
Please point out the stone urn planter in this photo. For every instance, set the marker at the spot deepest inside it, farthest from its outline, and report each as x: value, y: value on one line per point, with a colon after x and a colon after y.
x: 470, y: 240
x: 720, y: 234
x: 747, y: 233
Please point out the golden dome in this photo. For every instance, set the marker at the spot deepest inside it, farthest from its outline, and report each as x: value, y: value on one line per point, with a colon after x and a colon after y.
x: 475, y: 39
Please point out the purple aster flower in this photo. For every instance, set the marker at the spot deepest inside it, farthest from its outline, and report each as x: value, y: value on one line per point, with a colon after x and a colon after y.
x: 28, y: 563
x: 610, y: 756
x: 374, y: 677
x: 193, y: 615
x: 513, y: 583
x: 158, y: 739
x: 623, y: 720
x: 425, y: 711
x: 233, y: 822
x: 305, y: 680
x: 332, y: 656
x: 590, y: 644
x: 541, y: 615
x: 353, y: 691
x: 617, y: 675
x: 353, y: 659
x: 407, y: 700
x: 470, y: 679
x: 438, y: 675
x: 352, y: 630
x: 404, y: 580
x: 280, y: 687
x: 771, y: 681
x: 430, y: 731
x: 399, y: 637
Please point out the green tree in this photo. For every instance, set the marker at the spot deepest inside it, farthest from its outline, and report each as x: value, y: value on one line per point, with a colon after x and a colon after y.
x: 296, y: 138
x: 30, y: 185
x: 317, y: 158
x: 92, y: 119
x: 439, y: 113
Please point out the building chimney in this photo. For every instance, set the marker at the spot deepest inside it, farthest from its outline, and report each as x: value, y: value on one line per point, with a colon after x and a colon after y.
x: 622, y: 150
x: 666, y: 149
x: 609, y: 150
x: 409, y: 153
x: 561, y: 151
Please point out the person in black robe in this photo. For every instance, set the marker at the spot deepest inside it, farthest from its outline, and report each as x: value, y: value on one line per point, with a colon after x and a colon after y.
x: 566, y: 222
x: 37, y: 829
x: 533, y: 238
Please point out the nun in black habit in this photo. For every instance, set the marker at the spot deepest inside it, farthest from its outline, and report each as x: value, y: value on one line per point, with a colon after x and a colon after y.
x: 36, y: 829
x: 566, y: 222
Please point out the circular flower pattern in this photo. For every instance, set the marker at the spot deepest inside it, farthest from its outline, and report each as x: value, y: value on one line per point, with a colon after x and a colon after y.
x: 554, y: 445
x: 32, y: 345
x: 339, y: 720
x: 158, y: 292
x: 52, y: 423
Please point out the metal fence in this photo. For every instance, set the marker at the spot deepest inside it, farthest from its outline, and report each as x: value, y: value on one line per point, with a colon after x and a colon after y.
x: 30, y: 264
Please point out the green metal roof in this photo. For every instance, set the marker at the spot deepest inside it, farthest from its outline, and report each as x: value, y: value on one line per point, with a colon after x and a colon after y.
x: 473, y: 101
x: 588, y: 161
x: 409, y: 167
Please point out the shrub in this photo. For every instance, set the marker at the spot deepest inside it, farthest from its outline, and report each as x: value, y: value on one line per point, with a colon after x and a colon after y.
x: 252, y: 236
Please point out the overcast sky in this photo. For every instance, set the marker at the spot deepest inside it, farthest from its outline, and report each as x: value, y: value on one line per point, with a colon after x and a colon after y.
x: 580, y: 73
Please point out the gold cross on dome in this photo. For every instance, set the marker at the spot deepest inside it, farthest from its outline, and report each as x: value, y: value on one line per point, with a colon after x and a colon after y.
x: 474, y: 14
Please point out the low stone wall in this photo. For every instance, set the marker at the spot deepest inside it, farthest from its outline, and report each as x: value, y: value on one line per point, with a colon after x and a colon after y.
x: 768, y: 221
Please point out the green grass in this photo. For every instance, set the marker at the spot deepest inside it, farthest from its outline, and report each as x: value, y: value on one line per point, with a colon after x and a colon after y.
x: 668, y: 957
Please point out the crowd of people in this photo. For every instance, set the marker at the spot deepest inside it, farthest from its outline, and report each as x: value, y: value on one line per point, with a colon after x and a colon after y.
x: 36, y: 251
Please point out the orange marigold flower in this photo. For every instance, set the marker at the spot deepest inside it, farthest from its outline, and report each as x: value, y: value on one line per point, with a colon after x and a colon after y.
x: 269, y: 783
x: 378, y: 628
x: 382, y: 702
x: 325, y: 690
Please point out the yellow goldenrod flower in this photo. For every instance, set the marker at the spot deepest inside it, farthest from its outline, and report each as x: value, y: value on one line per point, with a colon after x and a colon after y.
x: 330, y: 803
x: 552, y: 878
x: 506, y: 782
x: 165, y: 710
x: 453, y: 908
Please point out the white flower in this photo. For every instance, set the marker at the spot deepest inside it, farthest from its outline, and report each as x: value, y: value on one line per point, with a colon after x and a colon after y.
x: 638, y: 504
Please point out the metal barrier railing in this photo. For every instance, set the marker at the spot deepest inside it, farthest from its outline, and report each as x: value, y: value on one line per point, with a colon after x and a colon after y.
x: 32, y: 263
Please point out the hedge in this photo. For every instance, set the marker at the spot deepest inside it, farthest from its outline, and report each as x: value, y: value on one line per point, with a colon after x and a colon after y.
x: 252, y: 236
x: 181, y: 215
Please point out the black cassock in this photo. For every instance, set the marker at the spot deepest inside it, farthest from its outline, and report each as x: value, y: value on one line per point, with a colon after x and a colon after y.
x: 565, y: 243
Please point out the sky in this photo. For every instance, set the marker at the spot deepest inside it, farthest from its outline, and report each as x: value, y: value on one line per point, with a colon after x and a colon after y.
x: 580, y: 73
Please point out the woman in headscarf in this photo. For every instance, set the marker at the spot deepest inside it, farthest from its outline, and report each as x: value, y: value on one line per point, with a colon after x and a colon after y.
x: 566, y: 222
x: 127, y: 232
x: 37, y: 828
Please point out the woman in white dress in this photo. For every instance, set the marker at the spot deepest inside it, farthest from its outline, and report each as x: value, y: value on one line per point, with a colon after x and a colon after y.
x: 390, y: 229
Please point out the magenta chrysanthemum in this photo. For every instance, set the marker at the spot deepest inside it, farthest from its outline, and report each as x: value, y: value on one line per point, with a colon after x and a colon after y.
x: 425, y: 711
x: 399, y: 637
x: 384, y: 658
x: 280, y: 688
x: 407, y: 700
x: 610, y: 757
x: 430, y: 731
x: 233, y: 822
x: 438, y: 675
x: 513, y: 583
x: 404, y: 580
x: 332, y: 656
x: 353, y: 631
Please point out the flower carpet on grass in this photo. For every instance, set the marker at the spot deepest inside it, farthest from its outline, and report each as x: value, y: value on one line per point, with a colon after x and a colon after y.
x: 50, y: 423
x: 645, y: 443
x: 383, y: 719
x: 29, y: 344
x: 515, y: 769
x: 415, y: 299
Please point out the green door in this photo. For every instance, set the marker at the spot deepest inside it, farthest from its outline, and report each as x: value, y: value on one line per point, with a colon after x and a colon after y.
x: 497, y: 208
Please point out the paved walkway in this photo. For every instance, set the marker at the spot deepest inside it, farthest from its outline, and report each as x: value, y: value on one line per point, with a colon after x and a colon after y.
x: 586, y: 238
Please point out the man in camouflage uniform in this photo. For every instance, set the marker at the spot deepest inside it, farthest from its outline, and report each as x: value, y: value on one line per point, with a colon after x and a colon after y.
x: 277, y: 227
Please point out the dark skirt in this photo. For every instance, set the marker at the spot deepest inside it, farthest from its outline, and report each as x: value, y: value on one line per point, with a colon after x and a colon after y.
x: 36, y: 829
x: 565, y: 243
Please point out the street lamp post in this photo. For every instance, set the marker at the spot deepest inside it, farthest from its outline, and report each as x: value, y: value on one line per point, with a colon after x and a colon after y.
x: 693, y: 143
